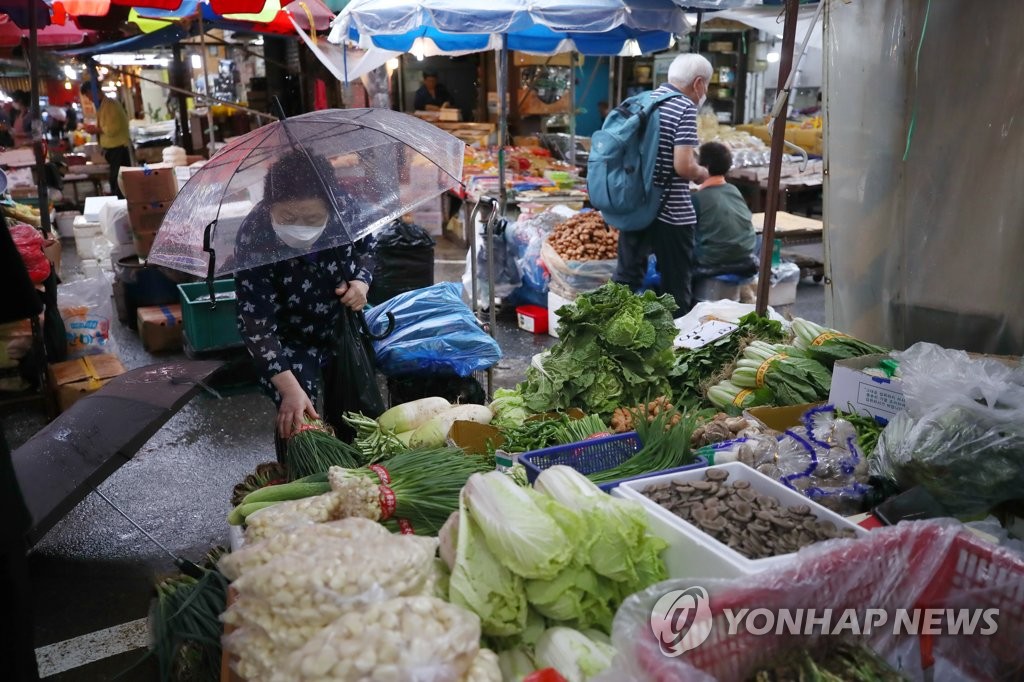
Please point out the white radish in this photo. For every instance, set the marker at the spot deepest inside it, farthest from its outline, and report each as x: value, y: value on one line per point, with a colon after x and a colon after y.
x: 412, y: 415
x: 434, y: 433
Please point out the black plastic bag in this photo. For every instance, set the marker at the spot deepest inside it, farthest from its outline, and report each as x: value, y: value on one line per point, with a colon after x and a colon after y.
x: 350, y: 381
x: 403, y: 256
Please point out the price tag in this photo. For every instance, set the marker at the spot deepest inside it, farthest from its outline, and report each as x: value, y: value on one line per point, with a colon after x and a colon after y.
x: 709, y: 331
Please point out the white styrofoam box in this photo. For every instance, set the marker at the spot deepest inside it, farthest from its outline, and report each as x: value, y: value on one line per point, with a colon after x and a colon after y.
x: 692, y: 553
x: 85, y: 240
x: 93, y: 206
x: 854, y: 391
x: 115, y: 223
x: 714, y: 289
x: 554, y: 303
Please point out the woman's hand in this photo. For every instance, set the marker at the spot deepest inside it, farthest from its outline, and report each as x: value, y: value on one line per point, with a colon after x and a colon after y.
x: 295, y: 405
x: 353, y: 294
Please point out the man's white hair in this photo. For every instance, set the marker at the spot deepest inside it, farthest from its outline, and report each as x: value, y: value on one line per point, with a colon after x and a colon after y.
x: 687, y: 68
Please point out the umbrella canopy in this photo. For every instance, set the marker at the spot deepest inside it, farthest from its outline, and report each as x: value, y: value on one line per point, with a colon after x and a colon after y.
x: 51, y: 36
x: 595, y: 27
x: 369, y: 166
x: 17, y: 10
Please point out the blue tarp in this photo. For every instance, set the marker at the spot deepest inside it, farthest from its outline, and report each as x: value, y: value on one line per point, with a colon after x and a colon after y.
x: 165, y: 36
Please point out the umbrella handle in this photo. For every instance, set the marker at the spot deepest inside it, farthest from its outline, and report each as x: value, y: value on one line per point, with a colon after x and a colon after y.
x: 212, y: 267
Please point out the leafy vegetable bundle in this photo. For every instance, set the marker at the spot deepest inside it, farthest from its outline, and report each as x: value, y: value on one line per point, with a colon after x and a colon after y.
x: 827, y: 345
x: 564, y: 551
x: 791, y: 377
x: 315, y: 449
x: 415, y: 490
x: 540, y: 433
x: 615, y: 349
x: 695, y: 370
x: 842, y: 662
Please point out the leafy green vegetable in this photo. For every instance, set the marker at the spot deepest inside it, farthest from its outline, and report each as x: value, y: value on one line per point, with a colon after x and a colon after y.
x: 482, y: 584
x: 517, y: 531
x: 509, y: 408
x: 664, y: 446
x: 538, y: 433
x: 574, y: 655
x: 615, y: 349
x: 696, y: 370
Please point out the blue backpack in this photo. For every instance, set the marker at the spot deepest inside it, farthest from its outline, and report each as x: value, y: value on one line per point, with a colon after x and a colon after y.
x: 620, y: 170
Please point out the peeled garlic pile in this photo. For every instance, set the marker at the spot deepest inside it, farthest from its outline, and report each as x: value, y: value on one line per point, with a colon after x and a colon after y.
x: 302, y: 540
x: 413, y: 638
x: 318, y: 509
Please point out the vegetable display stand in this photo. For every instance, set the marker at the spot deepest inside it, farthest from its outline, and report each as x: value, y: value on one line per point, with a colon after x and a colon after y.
x: 592, y: 456
x: 913, y: 566
x: 210, y: 328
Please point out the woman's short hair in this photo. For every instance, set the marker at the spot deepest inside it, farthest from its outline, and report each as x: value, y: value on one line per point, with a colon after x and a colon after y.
x: 716, y: 157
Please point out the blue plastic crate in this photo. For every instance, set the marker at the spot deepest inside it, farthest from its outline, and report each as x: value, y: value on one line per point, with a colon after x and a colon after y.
x: 591, y: 456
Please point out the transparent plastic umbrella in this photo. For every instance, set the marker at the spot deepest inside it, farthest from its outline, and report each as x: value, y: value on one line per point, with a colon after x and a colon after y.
x: 370, y: 166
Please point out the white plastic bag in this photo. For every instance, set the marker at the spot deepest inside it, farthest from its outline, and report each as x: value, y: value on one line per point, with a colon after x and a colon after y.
x: 86, y: 308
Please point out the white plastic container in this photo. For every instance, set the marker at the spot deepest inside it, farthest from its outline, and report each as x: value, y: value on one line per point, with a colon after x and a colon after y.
x: 691, y: 552
x: 66, y: 223
x: 85, y: 240
x: 554, y: 303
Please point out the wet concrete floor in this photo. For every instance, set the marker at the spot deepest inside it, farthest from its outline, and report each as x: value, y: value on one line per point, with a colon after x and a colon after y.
x: 95, y: 571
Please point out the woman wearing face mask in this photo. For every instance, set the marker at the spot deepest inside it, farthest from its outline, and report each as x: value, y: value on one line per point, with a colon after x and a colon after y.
x: 288, y: 310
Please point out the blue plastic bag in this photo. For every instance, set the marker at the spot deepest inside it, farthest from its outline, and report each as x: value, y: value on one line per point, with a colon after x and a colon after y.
x: 435, y: 333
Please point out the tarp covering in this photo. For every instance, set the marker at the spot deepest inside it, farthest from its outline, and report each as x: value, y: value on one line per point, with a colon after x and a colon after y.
x: 769, y: 20
x: 594, y: 27
x: 925, y: 236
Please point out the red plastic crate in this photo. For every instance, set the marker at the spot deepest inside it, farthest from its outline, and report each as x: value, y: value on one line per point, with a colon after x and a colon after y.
x: 533, y: 318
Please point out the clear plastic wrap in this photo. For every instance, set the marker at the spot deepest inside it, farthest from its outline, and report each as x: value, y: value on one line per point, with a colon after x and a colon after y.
x: 962, y: 434
x: 303, y: 539
x: 819, y: 458
x: 915, y: 565
x: 415, y: 639
x: 569, y: 279
x: 347, y: 573
x: 435, y: 333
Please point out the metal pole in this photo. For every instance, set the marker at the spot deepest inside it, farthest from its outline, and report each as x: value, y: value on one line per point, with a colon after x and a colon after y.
x: 401, y: 82
x: 572, y: 109
x: 177, y: 74
x: 189, y: 93
x: 502, y: 122
x: 206, y: 82
x: 37, y: 119
x: 695, y: 47
x: 471, y: 226
x: 775, y: 163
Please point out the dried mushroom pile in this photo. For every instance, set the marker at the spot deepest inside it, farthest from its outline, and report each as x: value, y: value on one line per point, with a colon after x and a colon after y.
x: 754, y: 525
x: 585, y: 236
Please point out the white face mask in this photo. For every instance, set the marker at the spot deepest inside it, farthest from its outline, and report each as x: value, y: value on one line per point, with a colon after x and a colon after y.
x: 298, y: 236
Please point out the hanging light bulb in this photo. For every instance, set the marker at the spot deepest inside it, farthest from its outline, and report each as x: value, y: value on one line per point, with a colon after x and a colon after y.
x: 67, y: 85
x: 69, y: 71
x: 773, y: 57
x: 197, y: 61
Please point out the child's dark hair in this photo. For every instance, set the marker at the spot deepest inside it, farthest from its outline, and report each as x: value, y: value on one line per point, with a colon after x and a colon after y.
x: 716, y: 157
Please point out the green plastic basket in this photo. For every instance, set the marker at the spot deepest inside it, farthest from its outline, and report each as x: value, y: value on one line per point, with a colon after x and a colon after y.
x: 210, y: 328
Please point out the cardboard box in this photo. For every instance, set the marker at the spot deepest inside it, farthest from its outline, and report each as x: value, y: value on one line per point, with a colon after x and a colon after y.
x: 474, y: 437
x: 781, y: 418
x: 145, y: 219
x: 160, y: 328
x: 75, y: 379
x: 854, y: 391
x: 155, y: 182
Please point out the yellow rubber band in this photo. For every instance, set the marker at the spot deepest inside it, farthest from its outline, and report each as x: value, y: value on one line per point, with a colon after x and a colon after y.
x: 763, y: 369
x: 827, y: 336
x: 741, y: 396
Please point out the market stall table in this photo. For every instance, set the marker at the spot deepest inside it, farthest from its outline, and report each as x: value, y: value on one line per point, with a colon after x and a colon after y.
x: 802, y: 241
x: 797, y: 187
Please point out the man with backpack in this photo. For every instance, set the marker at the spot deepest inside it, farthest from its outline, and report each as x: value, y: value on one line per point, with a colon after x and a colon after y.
x: 639, y: 173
